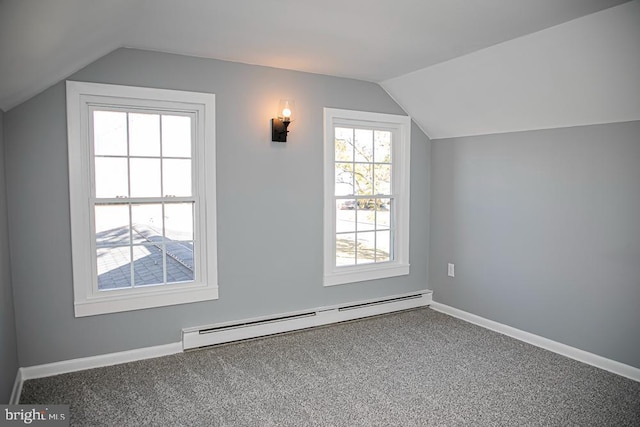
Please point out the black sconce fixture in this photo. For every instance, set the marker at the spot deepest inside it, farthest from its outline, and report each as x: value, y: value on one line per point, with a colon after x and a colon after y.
x: 280, y: 124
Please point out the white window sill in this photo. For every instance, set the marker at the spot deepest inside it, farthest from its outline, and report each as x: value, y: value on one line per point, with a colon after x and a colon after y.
x: 345, y: 275
x: 117, y: 303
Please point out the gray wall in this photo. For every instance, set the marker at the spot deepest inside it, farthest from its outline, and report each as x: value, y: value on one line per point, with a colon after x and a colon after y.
x: 8, y: 346
x: 544, y: 230
x: 269, y: 204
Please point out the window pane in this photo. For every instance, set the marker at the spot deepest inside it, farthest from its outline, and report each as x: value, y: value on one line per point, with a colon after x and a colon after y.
x: 366, y: 248
x: 110, y: 133
x: 178, y: 219
x: 112, y: 224
x: 383, y: 215
x: 111, y: 177
x: 114, y: 267
x: 382, y: 179
x: 177, y: 177
x: 345, y: 215
x: 344, y: 179
x: 176, y: 136
x: 179, y: 258
x: 145, y: 178
x: 147, y: 265
x: 144, y: 134
x: 364, y: 145
x: 345, y: 249
x: 147, y: 223
x: 363, y: 179
x: 344, y: 144
x: 382, y: 146
x: 383, y: 246
x: 367, y: 218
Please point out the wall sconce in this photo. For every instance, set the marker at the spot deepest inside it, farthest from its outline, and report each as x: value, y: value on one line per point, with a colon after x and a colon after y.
x: 280, y: 124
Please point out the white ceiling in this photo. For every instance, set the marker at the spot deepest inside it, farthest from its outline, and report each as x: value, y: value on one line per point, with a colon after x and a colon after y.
x: 583, y: 72
x: 44, y: 41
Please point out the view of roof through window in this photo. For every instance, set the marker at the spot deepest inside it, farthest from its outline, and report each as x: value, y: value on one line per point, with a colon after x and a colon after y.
x: 144, y: 210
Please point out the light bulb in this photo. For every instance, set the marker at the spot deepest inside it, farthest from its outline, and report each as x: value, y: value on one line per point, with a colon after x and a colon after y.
x: 285, y: 109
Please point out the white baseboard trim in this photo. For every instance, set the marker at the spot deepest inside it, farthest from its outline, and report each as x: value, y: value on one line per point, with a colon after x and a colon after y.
x: 102, y: 360
x: 554, y: 346
x: 17, y: 388
x: 73, y: 365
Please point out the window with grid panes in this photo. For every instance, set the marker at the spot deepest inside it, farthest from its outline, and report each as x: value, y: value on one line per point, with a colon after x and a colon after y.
x: 144, y: 200
x: 366, y: 195
x: 143, y: 204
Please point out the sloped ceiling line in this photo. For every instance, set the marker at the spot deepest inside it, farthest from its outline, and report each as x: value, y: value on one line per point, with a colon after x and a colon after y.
x: 579, y: 73
x: 470, y: 78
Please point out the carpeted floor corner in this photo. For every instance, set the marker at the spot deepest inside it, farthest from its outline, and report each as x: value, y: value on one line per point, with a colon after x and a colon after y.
x: 413, y: 368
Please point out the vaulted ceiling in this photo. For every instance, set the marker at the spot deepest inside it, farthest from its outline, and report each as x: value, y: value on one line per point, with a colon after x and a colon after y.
x: 458, y: 67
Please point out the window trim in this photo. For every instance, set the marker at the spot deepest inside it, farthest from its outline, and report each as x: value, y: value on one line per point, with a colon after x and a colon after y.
x: 87, y: 299
x: 401, y: 150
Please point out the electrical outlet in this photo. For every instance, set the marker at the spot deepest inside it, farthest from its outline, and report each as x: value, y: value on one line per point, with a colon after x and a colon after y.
x: 451, y: 270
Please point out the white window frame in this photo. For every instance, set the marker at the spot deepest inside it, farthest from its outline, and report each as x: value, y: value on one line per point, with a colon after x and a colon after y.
x: 88, y: 300
x: 400, y: 152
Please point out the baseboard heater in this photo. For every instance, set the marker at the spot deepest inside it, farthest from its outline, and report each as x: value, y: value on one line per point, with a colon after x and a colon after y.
x: 205, y: 336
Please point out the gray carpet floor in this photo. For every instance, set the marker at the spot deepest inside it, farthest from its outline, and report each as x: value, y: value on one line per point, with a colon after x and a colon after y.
x: 413, y: 368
